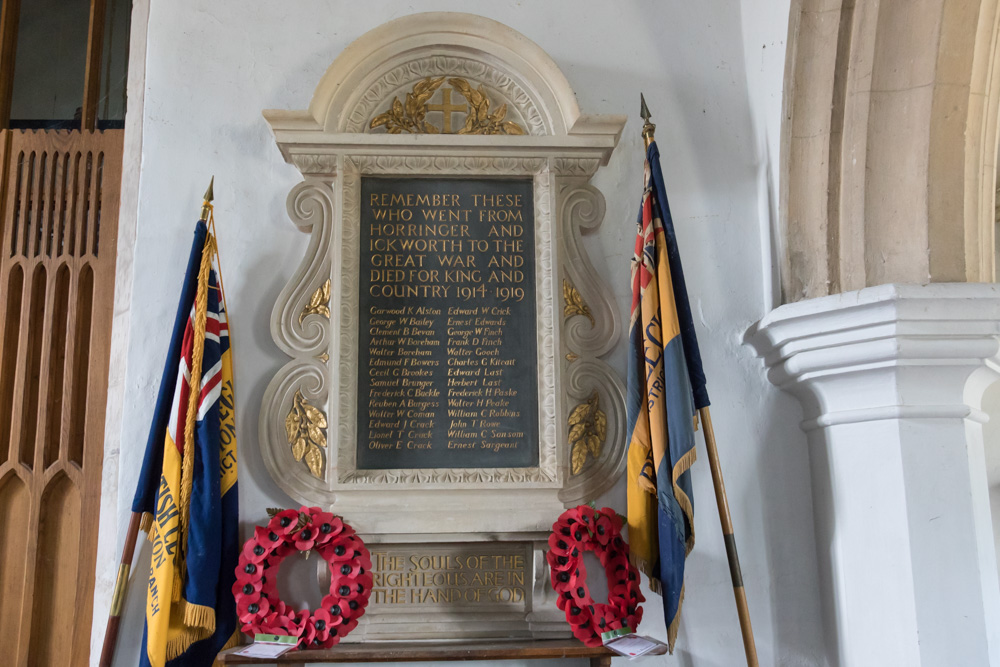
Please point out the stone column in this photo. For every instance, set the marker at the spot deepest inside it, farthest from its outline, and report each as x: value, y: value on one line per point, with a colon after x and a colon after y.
x: 890, y: 379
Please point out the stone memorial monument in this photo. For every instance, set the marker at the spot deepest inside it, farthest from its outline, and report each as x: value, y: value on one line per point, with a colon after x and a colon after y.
x: 446, y: 392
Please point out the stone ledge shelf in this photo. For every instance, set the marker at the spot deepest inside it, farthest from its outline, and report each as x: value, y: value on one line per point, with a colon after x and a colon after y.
x: 427, y: 652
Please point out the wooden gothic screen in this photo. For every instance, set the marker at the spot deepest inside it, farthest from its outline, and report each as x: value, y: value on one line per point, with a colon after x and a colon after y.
x: 59, y: 195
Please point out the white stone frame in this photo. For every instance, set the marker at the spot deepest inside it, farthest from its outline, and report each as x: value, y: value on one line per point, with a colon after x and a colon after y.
x: 332, y: 147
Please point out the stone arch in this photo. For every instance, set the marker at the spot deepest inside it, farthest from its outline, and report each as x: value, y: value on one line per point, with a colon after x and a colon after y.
x: 888, y: 144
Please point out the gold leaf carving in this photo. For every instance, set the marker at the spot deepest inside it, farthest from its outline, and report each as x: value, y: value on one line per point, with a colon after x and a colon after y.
x: 571, y: 356
x: 314, y: 459
x: 303, y: 427
x: 588, y: 429
x: 411, y: 116
x: 479, y: 119
x: 579, y: 457
x: 575, y: 305
x: 299, y: 448
x: 318, y: 302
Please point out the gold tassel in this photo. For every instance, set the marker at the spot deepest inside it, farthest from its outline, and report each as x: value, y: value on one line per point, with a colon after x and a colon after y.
x: 675, y: 625
x: 194, y: 396
x: 198, y: 616
x: 146, y: 524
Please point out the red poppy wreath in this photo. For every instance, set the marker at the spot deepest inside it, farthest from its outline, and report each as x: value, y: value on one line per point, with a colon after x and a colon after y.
x: 576, y: 531
x: 258, y: 606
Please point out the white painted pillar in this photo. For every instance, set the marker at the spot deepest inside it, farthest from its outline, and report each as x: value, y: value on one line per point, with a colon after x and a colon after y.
x: 890, y: 379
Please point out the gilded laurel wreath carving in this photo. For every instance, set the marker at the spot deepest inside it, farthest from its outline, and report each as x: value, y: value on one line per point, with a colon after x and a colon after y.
x: 410, y: 117
x: 479, y: 120
x: 575, y: 305
x: 588, y: 429
x: 318, y: 302
x: 304, y: 428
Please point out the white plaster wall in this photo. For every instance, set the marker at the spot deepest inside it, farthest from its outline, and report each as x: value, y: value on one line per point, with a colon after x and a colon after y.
x: 765, y: 34
x: 211, y: 66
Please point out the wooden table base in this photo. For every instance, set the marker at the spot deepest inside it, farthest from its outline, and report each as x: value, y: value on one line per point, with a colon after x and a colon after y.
x: 431, y: 651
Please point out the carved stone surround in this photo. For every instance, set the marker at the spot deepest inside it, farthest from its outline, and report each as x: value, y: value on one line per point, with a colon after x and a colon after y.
x: 334, y: 147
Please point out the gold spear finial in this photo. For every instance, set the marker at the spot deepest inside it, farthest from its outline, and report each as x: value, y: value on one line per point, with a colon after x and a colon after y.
x: 206, y: 206
x: 647, y: 128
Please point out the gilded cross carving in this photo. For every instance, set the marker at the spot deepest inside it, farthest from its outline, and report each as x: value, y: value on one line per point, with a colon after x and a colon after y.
x: 447, y: 108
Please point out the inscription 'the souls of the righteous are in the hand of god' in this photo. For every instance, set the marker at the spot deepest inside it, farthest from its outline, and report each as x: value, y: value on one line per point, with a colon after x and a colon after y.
x: 447, y: 373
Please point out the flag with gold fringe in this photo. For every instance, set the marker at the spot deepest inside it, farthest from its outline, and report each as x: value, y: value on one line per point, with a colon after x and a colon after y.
x: 187, y: 490
x: 666, y: 386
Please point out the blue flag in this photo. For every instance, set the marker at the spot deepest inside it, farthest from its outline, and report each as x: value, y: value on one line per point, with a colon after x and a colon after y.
x: 666, y: 387
x: 187, y: 492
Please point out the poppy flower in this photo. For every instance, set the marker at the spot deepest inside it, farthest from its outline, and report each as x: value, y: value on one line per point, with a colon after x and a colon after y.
x: 305, y: 539
x: 249, y: 572
x: 253, y: 551
x: 564, y: 601
x: 282, y: 624
x: 344, y: 629
x: 332, y: 605
x: 558, y: 562
x: 580, y: 592
x: 278, y: 608
x: 565, y: 523
x: 307, y: 634
x: 341, y: 548
x: 350, y: 568
x: 560, y: 579
x: 577, y: 615
x: 560, y: 546
x: 633, y: 619
x: 267, y: 537
x: 364, y: 559
x: 285, y: 549
x: 605, y: 618
x: 363, y: 584
x: 284, y: 522
x: 586, y: 513
x: 604, y: 529
x: 247, y: 588
x: 322, y: 620
x: 327, y: 526
x: 248, y: 608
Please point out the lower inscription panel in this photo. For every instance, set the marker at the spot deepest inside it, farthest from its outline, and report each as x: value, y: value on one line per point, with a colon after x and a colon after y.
x: 450, y: 576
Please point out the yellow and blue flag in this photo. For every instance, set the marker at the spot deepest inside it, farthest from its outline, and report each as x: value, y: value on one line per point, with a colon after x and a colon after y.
x: 666, y: 387
x: 187, y: 491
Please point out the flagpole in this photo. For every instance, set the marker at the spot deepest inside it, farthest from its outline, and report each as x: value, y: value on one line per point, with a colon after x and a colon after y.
x: 128, y: 549
x: 742, y: 610
x: 118, y: 597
